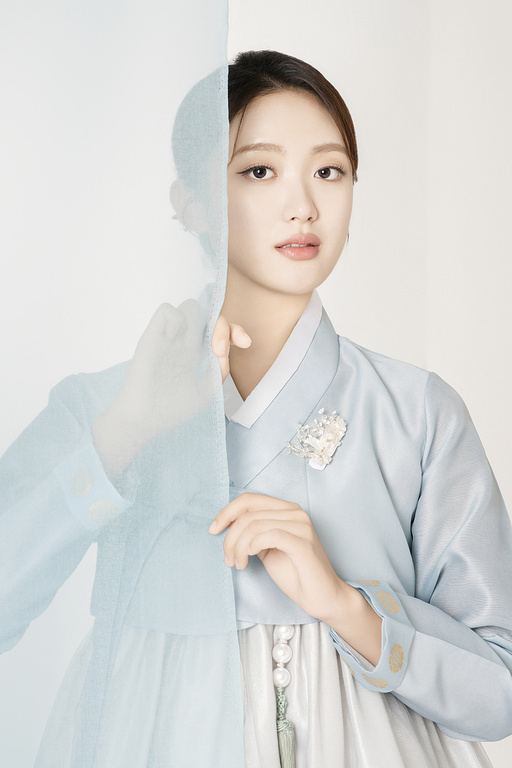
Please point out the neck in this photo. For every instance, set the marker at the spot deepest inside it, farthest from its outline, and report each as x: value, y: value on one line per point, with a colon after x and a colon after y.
x: 268, y: 317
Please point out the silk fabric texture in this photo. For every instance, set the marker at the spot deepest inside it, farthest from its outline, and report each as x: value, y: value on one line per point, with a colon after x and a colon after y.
x: 408, y: 512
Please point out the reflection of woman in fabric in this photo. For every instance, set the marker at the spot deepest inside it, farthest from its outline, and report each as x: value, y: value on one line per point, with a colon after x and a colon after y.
x: 387, y: 549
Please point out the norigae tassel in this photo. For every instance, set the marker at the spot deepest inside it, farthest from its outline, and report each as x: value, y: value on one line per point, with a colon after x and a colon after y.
x: 282, y: 653
x: 285, y: 733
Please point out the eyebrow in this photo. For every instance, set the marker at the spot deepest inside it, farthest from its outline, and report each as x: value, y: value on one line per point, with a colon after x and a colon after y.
x: 331, y: 146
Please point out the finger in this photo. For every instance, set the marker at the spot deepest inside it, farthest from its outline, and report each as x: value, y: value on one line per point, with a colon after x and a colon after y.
x: 165, y: 316
x: 220, y: 337
x: 239, y: 337
x: 251, y: 520
x: 220, y: 345
x: 167, y: 319
x: 240, y: 549
x: 194, y: 325
x: 286, y: 542
x: 247, y: 502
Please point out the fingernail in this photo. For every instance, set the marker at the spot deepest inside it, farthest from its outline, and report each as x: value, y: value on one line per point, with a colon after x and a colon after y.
x: 226, y: 561
x: 237, y: 564
x: 213, y: 527
x: 223, y: 347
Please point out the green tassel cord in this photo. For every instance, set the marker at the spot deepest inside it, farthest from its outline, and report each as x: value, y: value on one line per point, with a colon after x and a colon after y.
x: 285, y: 733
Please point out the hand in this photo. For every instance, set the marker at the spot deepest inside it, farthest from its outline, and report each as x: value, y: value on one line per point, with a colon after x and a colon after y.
x: 283, y: 537
x: 161, y: 388
x: 225, y: 334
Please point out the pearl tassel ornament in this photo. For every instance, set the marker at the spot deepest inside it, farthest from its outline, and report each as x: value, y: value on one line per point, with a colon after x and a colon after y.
x: 282, y: 653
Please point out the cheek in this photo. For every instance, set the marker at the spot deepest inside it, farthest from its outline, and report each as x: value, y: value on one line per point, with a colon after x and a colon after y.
x: 240, y: 231
x: 339, y: 203
x: 235, y: 218
x: 245, y: 215
x: 339, y: 212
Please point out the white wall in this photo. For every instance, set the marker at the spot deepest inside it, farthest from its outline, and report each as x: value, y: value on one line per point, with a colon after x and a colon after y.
x: 427, y: 274
x: 469, y: 332
x: 469, y: 339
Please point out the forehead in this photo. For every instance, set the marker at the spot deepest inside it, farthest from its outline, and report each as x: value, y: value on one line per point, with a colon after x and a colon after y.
x: 284, y: 116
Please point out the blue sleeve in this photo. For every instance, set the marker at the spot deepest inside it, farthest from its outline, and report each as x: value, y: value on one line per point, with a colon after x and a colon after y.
x: 54, y: 500
x: 447, y: 650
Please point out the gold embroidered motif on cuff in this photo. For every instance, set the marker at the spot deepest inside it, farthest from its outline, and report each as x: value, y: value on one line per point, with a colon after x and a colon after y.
x: 82, y: 482
x: 375, y: 681
x: 350, y: 668
x: 388, y: 601
x: 396, y: 658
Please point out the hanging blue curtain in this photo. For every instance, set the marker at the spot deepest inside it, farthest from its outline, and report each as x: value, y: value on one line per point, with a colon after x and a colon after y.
x: 129, y: 452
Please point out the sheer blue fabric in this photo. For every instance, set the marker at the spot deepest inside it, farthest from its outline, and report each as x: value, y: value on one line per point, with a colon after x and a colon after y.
x: 145, y: 486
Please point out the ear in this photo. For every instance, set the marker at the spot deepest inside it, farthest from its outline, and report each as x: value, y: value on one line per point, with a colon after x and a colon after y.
x: 189, y: 211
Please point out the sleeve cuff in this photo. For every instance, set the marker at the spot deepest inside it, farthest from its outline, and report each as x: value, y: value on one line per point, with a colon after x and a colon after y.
x: 89, y: 494
x: 397, y: 635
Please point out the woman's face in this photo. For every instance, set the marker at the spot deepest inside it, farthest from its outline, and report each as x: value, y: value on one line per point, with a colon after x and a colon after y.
x: 289, y: 182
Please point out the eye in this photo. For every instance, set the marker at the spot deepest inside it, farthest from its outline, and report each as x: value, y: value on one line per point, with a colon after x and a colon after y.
x: 331, y: 172
x: 260, y: 172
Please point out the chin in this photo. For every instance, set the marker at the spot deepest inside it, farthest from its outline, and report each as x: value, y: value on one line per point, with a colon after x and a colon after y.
x: 295, y: 288
x: 300, y: 284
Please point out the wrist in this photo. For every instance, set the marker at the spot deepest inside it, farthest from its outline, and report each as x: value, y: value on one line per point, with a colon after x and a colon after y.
x: 355, y: 621
x: 117, y: 440
x: 346, y: 606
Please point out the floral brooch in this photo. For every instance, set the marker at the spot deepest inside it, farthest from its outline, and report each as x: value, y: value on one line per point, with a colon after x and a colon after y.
x: 318, y: 443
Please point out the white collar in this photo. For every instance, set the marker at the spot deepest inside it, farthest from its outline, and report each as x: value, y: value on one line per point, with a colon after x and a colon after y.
x: 245, y: 412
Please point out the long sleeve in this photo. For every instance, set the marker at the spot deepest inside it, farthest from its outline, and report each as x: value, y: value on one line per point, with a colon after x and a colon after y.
x: 447, y: 649
x: 54, y: 500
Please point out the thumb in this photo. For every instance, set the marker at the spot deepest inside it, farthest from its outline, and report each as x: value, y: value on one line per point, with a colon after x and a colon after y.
x: 239, y: 337
x: 220, y: 344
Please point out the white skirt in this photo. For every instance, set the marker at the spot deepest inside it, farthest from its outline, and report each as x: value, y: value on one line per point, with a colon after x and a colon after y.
x: 338, y: 723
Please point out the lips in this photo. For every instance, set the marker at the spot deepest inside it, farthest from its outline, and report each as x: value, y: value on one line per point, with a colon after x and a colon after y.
x: 300, y: 240
x: 300, y: 247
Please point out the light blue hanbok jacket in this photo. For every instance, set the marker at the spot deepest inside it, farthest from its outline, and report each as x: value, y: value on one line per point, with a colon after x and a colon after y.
x: 408, y: 512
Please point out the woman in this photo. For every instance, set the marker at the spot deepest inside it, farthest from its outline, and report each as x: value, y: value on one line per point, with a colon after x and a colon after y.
x: 435, y: 485
x: 367, y: 530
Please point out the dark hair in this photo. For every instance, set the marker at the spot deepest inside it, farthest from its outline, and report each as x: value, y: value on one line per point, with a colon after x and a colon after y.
x: 255, y: 73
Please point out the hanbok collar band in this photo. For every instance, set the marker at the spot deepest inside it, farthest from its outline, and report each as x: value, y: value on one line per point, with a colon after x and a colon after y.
x: 249, y: 453
x: 246, y: 412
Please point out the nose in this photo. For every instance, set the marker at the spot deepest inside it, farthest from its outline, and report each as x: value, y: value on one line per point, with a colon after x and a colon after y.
x: 298, y: 203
